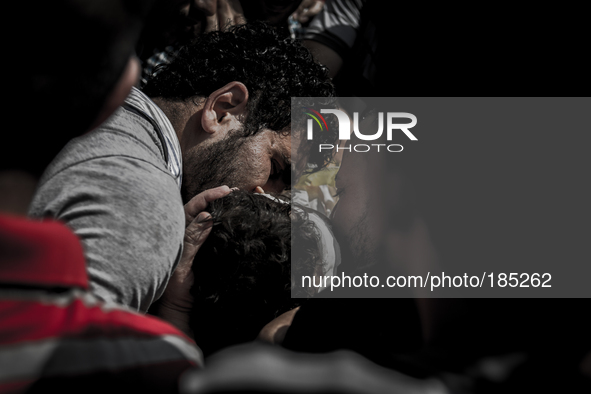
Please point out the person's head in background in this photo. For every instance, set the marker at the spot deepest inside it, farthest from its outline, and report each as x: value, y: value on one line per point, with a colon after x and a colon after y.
x: 228, y: 96
x: 244, y: 271
x: 72, y: 64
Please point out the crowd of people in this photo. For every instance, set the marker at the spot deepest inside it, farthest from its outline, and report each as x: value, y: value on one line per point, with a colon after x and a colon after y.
x: 150, y: 239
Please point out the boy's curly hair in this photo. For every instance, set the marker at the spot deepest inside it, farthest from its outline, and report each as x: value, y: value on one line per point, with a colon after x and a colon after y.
x: 272, y: 68
x: 243, y: 272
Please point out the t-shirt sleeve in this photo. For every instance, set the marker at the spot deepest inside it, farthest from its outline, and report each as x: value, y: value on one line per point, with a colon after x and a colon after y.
x: 129, y: 216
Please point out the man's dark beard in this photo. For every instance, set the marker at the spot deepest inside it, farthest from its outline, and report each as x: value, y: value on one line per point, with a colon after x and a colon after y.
x: 216, y: 165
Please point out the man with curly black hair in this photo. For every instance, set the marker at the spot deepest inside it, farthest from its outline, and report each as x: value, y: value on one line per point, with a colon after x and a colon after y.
x: 245, y: 272
x: 244, y: 75
x: 219, y: 114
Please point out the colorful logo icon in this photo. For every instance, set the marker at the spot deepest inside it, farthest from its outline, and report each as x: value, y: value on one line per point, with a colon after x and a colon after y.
x: 316, y: 117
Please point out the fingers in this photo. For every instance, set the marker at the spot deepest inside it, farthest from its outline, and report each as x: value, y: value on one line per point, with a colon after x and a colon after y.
x: 304, y: 5
x: 195, y: 235
x: 197, y: 222
x: 200, y: 201
x: 259, y: 189
x: 197, y: 231
x: 230, y: 13
x: 211, y: 23
x: 307, y: 10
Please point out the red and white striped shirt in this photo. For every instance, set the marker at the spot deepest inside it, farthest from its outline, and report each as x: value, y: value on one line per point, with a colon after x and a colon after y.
x: 54, y: 334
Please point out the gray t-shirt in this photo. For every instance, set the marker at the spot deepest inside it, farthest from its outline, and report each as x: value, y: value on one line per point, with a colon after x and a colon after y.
x: 114, y: 189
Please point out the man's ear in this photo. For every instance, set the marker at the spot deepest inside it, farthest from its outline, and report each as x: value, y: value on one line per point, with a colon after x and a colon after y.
x: 225, y: 108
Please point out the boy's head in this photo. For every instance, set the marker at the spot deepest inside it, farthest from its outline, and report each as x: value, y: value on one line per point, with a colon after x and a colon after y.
x: 243, y: 272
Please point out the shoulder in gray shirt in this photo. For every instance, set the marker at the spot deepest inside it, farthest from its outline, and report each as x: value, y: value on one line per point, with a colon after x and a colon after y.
x: 112, y: 187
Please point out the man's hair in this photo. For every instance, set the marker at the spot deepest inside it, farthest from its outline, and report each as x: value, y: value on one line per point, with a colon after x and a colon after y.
x: 243, y: 271
x: 272, y: 68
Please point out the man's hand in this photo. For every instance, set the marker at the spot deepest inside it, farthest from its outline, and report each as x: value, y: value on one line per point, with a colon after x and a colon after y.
x: 228, y: 13
x: 176, y: 302
x: 307, y: 10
